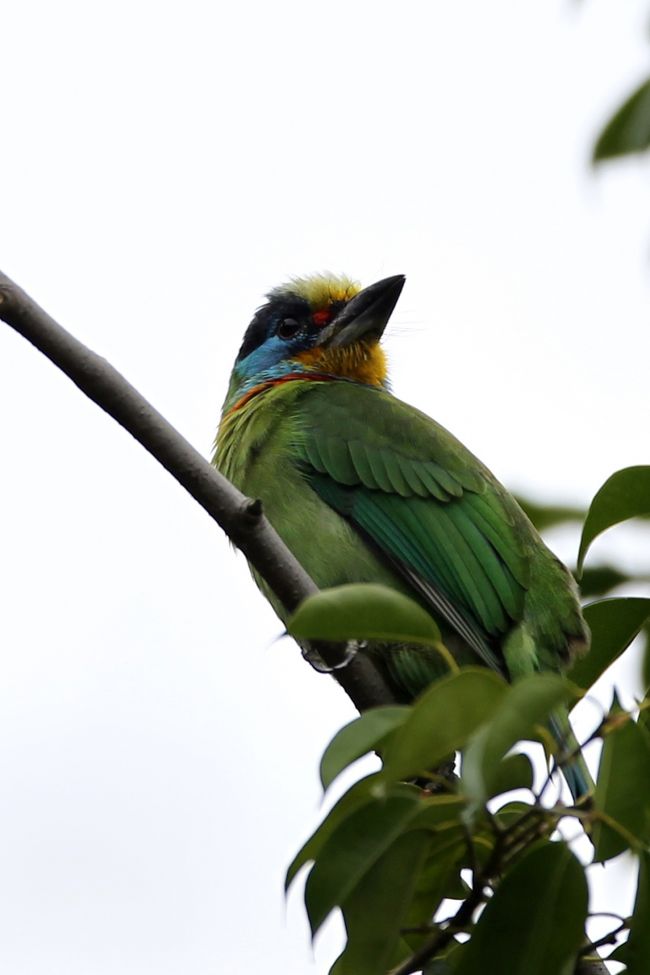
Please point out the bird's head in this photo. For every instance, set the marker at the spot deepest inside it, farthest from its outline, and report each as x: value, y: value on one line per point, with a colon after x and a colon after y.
x: 320, y: 325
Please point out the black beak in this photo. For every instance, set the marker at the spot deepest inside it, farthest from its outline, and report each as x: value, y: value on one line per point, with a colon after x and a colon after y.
x: 366, y: 315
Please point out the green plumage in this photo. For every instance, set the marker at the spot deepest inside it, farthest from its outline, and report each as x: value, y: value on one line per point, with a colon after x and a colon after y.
x: 364, y: 488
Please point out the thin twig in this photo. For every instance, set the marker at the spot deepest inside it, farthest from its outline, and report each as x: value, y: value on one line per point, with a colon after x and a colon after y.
x: 607, y: 939
x: 439, y: 941
x: 508, y: 843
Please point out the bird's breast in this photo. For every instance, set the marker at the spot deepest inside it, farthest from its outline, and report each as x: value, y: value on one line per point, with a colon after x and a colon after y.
x: 256, y: 450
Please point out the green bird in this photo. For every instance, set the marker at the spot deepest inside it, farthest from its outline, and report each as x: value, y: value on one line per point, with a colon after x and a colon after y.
x: 363, y: 487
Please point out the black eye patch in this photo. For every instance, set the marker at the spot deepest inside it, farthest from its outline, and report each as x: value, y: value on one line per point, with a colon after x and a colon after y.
x: 269, y: 318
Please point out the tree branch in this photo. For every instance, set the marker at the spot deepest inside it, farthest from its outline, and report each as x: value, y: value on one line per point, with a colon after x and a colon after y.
x: 241, y: 518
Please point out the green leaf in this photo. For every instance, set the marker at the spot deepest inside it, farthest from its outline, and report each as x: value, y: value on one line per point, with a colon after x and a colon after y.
x: 357, y: 738
x: 622, y: 787
x: 439, y: 878
x: 626, y: 494
x: 534, y: 924
x: 441, y: 721
x: 614, y: 623
x: 637, y: 949
x: 442, y: 815
x: 375, y: 911
x: 351, y: 850
x: 446, y: 964
x: 363, y: 611
x: 629, y: 128
x: 511, y: 813
x: 528, y: 702
x: 361, y: 794
x: 645, y: 669
x: 514, y: 772
x: 440, y: 812
x: 619, y: 954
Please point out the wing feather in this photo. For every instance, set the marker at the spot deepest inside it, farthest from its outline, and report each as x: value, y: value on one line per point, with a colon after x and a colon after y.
x: 362, y: 466
x: 429, y: 507
x: 393, y: 467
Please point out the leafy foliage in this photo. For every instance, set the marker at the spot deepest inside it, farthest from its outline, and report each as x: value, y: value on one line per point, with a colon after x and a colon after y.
x: 413, y: 860
x: 623, y: 789
x: 527, y: 703
x: 361, y: 736
x: 624, y: 495
x: 614, y: 623
x: 510, y: 937
x: 636, y: 952
x: 423, y: 741
x: 629, y: 128
x: 364, y: 611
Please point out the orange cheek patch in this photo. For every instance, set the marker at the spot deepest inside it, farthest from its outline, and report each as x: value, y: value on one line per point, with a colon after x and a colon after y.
x: 360, y: 362
x: 311, y: 357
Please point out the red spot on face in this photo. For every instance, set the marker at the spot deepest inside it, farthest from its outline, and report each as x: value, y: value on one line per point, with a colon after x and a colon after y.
x: 321, y: 318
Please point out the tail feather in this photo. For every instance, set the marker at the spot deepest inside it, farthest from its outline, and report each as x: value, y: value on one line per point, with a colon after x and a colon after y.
x: 575, y: 770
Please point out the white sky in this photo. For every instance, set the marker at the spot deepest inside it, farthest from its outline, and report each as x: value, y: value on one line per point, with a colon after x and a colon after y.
x: 161, y: 166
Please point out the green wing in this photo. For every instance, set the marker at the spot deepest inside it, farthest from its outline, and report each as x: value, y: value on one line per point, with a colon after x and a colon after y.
x: 431, y: 508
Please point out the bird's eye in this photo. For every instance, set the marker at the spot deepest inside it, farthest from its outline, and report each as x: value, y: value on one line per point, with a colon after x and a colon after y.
x: 288, y: 327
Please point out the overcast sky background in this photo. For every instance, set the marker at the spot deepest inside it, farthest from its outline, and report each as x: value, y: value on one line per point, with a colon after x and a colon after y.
x: 162, y: 165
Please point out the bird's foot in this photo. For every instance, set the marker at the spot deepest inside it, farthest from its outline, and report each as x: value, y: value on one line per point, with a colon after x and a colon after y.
x: 349, y: 651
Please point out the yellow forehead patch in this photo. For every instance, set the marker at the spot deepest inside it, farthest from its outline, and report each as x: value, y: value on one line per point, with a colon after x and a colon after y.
x: 320, y: 290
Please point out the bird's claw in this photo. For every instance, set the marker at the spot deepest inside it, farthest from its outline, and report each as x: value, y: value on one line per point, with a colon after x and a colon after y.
x: 313, y: 657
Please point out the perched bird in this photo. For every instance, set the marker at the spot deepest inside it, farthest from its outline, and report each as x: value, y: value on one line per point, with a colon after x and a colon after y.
x: 363, y: 487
